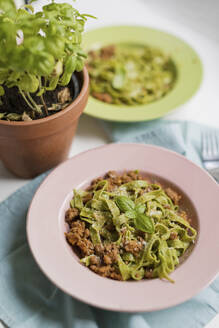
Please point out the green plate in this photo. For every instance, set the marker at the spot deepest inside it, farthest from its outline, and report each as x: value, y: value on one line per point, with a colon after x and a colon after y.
x: 188, y: 65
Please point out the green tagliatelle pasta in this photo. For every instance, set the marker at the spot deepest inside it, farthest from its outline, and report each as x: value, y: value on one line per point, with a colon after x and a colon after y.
x: 136, y: 213
x: 130, y: 74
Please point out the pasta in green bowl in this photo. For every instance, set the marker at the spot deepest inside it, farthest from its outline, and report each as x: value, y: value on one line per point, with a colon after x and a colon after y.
x: 138, y: 73
x: 125, y: 227
x: 130, y: 74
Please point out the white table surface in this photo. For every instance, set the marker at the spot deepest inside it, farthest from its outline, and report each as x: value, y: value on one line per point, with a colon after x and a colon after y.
x: 203, y: 107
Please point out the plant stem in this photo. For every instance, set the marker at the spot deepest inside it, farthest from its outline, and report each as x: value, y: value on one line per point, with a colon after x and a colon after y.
x: 36, y: 107
x: 42, y: 99
x: 44, y: 105
x: 27, y: 101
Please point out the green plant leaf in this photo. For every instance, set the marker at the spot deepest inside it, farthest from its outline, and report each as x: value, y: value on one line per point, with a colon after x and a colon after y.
x: 14, y: 117
x: 45, y: 64
x: 79, y: 65
x: 65, y: 79
x: 14, y: 76
x: 29, y: 7
x: 70, y: 64
x: 131, y: 214
x: 55, y: 46
x: 58, y: 69
x: 90, y: 16
x: 140, y: 208
x: 41, y: 91
x: 3, y: 75
x: 8, y: 7
x: 53, y: 83
x: 29, y: 83
x: 2, y: 115
x: 124, y: 203
x: 43, y: 46
x: 144, y: 223
x: 2, y: 91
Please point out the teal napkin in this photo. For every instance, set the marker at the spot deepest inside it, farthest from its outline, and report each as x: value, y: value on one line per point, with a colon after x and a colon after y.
x: 181, y: 136
x: 29, y: 300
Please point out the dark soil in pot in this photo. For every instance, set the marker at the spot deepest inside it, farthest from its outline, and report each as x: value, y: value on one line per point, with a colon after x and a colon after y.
x: 56, y: 100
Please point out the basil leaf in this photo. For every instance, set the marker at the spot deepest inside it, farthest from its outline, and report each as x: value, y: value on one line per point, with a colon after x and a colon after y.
x: 14, y: 117
x: 47, y: 45
x: 124, y: 203
x: 140, y: 208
x: 130, y: 214
x: 2, y: 91
x: 2, y: 115
x: 144, y: 223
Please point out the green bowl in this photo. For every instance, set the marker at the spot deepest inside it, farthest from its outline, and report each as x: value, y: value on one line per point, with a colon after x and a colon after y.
x: 186, y: 60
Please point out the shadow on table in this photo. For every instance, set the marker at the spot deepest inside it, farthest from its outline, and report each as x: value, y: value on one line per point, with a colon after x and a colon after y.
x: 90, y: 127
x: 4, y: 173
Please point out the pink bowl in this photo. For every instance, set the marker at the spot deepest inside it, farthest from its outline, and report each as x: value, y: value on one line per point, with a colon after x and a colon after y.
x: 45, y: 229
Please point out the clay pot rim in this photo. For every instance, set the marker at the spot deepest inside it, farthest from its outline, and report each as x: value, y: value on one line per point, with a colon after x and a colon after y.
x: 70, y: 107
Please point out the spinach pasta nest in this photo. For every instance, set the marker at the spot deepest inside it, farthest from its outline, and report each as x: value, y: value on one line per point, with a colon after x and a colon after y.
x: 126, y: 228
x: 130, y: 74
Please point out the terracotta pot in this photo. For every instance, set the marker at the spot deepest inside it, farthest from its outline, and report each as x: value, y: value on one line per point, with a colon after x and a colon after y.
x: 30, y: 148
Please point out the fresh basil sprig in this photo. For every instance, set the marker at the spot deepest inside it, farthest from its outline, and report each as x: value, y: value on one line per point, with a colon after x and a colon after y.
x: 136, y: 212
x: 144, y: 223
x: 39, y: 50
x: 124, y: 203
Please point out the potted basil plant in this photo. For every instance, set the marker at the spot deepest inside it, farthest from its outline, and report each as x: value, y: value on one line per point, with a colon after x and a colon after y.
x: 43, y: 84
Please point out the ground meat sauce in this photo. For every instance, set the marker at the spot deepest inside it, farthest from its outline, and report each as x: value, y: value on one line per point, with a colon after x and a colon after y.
x: 104, y: 257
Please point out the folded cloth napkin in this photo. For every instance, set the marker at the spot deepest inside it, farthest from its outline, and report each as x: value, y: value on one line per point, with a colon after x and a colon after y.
x: 29, y: 300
